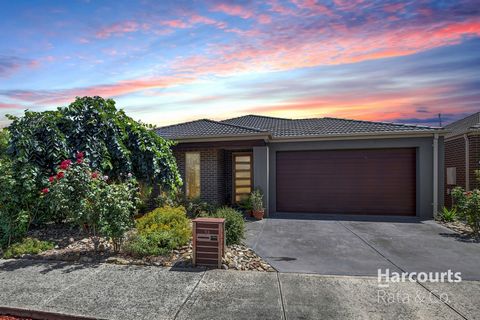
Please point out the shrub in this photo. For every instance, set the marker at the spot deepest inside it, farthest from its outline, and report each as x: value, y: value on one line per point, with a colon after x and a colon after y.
x: 4, y: 139
x: 234, y: 224
x: 448, y: 215
x: 27, y: 246
x: 114, y: 143
x: 468, y: 207
x: 159, y: 232
x: 196, y: 207
x: 19, y: 200
x: 86, y: 198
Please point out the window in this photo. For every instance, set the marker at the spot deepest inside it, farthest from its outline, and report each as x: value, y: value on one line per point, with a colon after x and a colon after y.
x: 452, y: 176
x: 192, y: 174
x: 242, y: 175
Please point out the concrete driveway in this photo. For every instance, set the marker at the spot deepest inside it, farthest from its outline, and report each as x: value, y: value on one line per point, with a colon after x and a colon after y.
x: 348, y: 245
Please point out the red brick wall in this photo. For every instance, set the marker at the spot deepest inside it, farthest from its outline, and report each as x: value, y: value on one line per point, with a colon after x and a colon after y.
x: 454, y: 157
x: 474, y: 160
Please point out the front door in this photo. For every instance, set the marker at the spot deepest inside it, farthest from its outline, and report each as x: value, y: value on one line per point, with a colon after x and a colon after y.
x: 242, y: 175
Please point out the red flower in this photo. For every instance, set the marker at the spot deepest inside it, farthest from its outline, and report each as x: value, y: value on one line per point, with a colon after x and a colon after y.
x: 65, y: 164
x: 80, y: 156
x: 51, y: 179
x: 45, y: 191
x: 79, y: 160
x: 60, y: 175
x: 94, y: 175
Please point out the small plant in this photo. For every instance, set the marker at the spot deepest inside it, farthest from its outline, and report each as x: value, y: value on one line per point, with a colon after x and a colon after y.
x: 234, y: 224
x: 256, y: 203
x: 197, y: 207
x: 448, y: 215
x: 27, y: 246
x: 468, y: 207
x: 159, y: 232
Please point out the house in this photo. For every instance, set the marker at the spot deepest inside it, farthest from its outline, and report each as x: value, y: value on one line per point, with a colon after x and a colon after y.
x: 462, y: 154
x: 322, y: 165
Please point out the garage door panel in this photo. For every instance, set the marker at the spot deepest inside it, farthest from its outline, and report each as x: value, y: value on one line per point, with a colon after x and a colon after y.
x: 380, y: 181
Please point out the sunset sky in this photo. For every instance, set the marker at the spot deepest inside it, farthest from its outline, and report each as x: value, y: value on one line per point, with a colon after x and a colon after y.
x: 167, y: 62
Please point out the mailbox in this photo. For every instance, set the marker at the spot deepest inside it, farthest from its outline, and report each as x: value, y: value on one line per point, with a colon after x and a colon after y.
x: 208, y: 242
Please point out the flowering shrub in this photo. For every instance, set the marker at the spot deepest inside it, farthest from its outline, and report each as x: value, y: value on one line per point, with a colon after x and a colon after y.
x: 77, y: 194
x: 468, y: 207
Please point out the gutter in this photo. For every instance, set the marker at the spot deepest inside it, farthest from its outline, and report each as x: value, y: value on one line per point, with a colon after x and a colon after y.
x: 360, y: 135
x: 435, y: 174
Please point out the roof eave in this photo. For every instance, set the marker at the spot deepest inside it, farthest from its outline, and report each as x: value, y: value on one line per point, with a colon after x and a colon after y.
x: 362, y: 135
x: 470, y: 131
x: 260, y: 135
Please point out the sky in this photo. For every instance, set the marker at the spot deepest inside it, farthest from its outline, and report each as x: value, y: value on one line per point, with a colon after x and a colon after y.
x: 166, y: 62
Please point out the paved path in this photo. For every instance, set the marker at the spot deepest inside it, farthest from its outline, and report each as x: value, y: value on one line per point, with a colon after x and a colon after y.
x: 348, y: 245
x: 127, y: 292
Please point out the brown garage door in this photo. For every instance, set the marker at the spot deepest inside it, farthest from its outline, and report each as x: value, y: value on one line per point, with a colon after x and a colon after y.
x: 380, y: 181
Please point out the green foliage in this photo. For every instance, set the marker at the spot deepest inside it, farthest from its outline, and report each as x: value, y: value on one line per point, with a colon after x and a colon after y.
x: 234, y: 224
x: 77, y: 194
x: 4, y: 139
x: 256, y: 200
x: 468, y: 207
x: 113, y: 142
x: 159, y: 232
x: 19, y: 200
x: 117, y: 209
x: 27, y: 246
x: 196, y: 207
x: 448, y: 215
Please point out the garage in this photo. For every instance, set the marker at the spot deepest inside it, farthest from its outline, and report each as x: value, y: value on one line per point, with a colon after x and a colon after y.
x: 364, y: 182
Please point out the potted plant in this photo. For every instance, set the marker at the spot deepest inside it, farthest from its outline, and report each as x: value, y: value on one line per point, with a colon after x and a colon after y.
x: 256, y: 203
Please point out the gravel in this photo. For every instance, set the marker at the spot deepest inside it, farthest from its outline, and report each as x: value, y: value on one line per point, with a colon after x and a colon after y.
x: 73, y: 245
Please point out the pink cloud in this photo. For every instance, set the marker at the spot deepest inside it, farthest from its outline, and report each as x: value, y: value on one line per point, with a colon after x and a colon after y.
x: 233, y: 10
x: 175, y: 24
x: 313, y: 7
x: 10, y: 106
x: 264, y: 19
x: 120, y: 29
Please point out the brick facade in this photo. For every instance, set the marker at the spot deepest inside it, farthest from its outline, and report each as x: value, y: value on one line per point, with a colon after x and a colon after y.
x: 212, y: 171
x: 474, y: 160
x: 455, y: 157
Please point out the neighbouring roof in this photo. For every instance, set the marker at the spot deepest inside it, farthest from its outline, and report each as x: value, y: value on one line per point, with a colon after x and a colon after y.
x: 283, y: 128
x: 205, y: 128
x: 462, y: 126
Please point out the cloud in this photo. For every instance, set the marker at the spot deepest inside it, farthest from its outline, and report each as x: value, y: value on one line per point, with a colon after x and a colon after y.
x: 120, y: 28
x: 233, y: 10
x: 11, y: 106
x: 52, y: 97
x: 11, y: 64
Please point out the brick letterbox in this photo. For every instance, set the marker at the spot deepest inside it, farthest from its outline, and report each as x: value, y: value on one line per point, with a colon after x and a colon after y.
x: 208, y: 242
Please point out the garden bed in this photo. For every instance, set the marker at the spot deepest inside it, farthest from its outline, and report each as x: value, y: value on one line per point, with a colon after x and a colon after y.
x: 74, y: 246
x: 464, y: 231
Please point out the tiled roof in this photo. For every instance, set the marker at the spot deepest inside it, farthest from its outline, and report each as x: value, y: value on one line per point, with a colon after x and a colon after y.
x: 204, y: 128
x: 472, y: 122
x: 280, y: 127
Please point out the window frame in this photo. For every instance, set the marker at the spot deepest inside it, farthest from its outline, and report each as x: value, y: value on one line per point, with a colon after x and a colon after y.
x: 187, y: 195
x: 234, y: 171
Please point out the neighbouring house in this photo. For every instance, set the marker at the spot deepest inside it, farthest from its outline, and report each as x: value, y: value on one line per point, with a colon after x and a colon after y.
x: 462, y: 155
x: 322, y: 165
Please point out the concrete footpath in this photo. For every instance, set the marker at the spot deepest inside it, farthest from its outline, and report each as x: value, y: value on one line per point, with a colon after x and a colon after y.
x: 128, y: 292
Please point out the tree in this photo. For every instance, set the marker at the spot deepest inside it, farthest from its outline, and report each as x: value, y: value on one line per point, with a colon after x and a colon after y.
x: 112, y: 142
